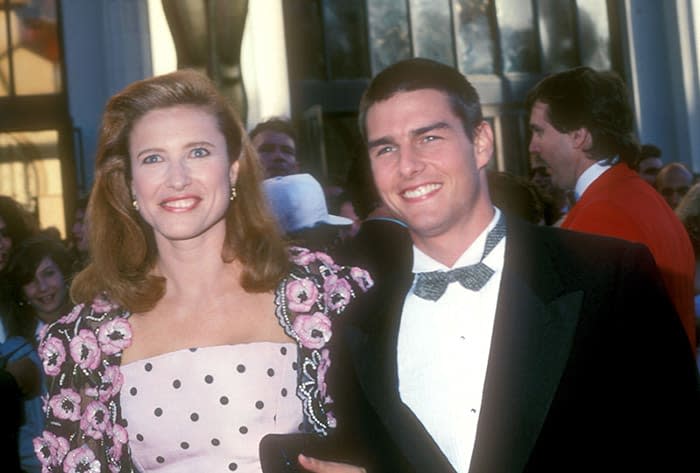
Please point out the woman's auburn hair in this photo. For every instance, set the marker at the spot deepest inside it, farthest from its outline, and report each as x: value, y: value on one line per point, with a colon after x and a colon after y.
x: 123, y: 252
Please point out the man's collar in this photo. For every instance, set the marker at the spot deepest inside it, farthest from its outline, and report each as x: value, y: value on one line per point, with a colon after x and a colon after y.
x: 590, y: 175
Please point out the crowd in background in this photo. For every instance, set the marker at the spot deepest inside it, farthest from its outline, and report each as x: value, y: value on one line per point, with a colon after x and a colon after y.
x: 347, y: 221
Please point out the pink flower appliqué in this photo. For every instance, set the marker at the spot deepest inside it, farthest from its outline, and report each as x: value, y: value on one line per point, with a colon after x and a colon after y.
x: 314, y: 331
x: 110, y: 384
x: 302, y: 256
x: 52, y: 354
x: 301, y: 294
x: 361, y: 277
x: 322, y: 369
x: 330, y: 419
x: 66, y: 404
x: 72, y: 315
x: 50, y: 449
x: 81, y: 460
x: 95, y: 420
x: 338, y: 292
x: 327, y: 261
x: 101, y: 304
x: 84, y: 350
x: 119, y: 437
x: 114, y: 336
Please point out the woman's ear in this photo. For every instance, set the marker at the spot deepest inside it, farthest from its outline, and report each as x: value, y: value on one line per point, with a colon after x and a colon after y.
x: 233, y: 172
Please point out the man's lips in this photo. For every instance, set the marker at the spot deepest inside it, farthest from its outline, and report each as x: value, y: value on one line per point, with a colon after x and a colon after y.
x: 420, y: 191
x: 180, y: 204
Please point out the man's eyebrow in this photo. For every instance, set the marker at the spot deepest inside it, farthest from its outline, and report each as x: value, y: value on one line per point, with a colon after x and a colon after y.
x: 428, y: 128
x: 384, y: 140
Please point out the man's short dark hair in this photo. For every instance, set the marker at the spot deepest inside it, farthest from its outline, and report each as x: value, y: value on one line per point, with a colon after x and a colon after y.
x: 417, y: 74
x: 595, y: 100
x: 277, y: 125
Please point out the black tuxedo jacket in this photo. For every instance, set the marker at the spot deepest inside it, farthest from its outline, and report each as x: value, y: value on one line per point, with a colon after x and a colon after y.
x: 589, y: 368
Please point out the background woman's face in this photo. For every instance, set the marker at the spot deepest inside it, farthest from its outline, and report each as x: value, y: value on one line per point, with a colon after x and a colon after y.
x: 5, y: 244
x: 47, y: 292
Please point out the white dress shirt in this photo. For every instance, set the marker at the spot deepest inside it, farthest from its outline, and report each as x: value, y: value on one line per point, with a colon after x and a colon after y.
x: 443, y: 349
x: 589, y: 176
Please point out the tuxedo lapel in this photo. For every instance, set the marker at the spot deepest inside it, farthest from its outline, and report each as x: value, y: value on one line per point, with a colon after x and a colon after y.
x: 533, y: 332
x: 373, y: 346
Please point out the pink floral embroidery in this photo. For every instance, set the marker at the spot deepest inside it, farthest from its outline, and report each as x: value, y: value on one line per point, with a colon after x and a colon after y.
x: 66, y: 404
x: 81, y: 460
x: 322, y: 369
x: 362, y: 278
x: 119, y: 437
x: 314, y: 331
x: 330, y: 419
x: 84, y: 350
x: 337, y: 292
x: 52, y: 354
x: 301, y: 294
x: 71, y: 316
x: 101, y: 304
x: 114, y: 336
x: 50, y: 449
x: 302, y: 256
x: 327, y: 261
x: 95, y: 420
x: 110, y: 384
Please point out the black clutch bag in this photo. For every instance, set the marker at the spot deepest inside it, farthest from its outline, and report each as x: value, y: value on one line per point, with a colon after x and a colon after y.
x: 279, y: 452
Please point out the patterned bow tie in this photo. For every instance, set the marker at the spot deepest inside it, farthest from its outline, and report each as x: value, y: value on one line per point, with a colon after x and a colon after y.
x: 432, y: 285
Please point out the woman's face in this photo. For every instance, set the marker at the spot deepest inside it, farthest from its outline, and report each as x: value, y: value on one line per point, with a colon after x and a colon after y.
x: 5, y: 244
x: 47, y: 293
x: 181, y: 176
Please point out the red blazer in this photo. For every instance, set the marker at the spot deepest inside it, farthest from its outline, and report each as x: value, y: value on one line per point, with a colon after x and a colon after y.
x: 620, y: 204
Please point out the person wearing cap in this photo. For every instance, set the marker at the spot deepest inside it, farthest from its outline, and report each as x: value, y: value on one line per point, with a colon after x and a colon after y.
x: 300, y: 206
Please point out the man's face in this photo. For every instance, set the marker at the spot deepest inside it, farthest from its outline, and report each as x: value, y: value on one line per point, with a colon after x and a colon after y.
x: 649, y: 168
x: 277, y: 153
x: 556, y: 149
x: 673, y: 184
x: 426, y: 169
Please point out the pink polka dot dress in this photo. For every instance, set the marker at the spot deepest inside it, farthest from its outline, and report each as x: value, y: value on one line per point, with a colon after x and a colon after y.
x: 206, y: 409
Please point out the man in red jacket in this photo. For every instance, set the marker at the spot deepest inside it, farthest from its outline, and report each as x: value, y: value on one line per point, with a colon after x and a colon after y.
x: 582, y: 126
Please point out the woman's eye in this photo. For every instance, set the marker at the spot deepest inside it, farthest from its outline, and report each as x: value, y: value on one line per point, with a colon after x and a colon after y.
x: 151, y: 158
x: 200, y: 152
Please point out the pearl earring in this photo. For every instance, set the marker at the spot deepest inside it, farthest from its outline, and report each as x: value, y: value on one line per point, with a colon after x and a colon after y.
x: 135, y: 205
x: 233, y: 193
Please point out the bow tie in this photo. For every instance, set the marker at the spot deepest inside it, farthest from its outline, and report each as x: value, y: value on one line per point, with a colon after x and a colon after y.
x: 432, y: 285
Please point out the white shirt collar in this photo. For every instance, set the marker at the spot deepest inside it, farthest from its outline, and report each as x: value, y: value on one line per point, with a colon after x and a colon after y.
x: 424, y: 263
x: 589, y: 176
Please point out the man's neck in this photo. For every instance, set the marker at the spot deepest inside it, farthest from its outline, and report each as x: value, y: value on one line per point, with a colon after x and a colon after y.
x: 446, y: 248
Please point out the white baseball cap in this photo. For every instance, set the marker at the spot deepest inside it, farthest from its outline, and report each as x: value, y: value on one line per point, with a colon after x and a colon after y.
x: 298, y: 202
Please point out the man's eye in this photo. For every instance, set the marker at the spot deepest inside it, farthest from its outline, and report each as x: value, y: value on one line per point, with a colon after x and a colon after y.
x: 266, y: 148
x: 384, y: 150
x: 429, y: 138
x: 200, y: 152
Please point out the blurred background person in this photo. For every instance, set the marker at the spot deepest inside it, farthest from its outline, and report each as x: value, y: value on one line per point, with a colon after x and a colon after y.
x: 673, y: 182
x: 688, y: 211
x: 649, y: 163
x: 78, y: 239
x: 275, y: 140
x: 299, y: 204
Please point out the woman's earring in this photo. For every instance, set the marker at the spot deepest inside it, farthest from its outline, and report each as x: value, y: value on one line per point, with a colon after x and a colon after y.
x: 135, y: 205
x: 233, y: 193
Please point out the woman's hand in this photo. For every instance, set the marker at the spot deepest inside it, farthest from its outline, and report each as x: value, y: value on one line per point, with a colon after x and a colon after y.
x: 319, y: 466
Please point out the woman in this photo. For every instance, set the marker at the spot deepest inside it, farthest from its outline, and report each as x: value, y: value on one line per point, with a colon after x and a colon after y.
x: 192, y: 317
x: 39, y: 272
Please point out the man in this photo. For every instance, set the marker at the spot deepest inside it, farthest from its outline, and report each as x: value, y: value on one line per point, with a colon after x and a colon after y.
x: 673, y: 182
x: 649, y: 163
x: 583, y: 127
x: 561, y: 352
x: 275, y: 142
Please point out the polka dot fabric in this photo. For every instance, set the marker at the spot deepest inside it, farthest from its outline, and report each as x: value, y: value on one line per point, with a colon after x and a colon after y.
x: 206, y: 409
